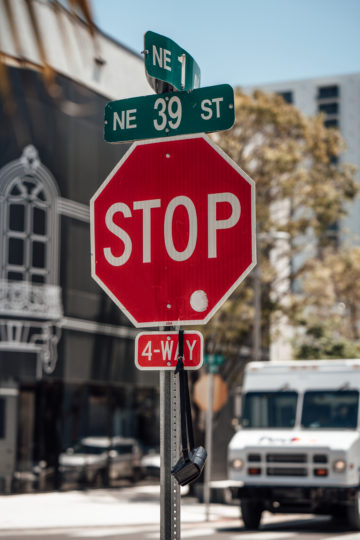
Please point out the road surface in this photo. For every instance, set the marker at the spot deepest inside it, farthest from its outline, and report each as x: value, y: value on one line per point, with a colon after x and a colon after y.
x: 132, y: 513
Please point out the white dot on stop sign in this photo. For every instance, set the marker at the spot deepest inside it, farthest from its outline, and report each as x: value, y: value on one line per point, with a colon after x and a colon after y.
x: 199, y: 301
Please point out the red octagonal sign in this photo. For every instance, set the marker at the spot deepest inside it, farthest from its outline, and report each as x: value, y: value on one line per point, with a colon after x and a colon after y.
x: 173, y: 231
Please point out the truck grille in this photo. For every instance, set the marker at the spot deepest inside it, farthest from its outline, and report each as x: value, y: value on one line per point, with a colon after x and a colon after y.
x: 286, y: 464
x: 320, y: 458
x: 286, y: 471
x: 254, y: 458
x: 286, y: 458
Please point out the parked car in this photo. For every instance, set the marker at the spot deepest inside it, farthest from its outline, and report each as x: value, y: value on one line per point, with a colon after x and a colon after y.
x: 151, y: 464
x: 98, y: 461
x: 38, y: 477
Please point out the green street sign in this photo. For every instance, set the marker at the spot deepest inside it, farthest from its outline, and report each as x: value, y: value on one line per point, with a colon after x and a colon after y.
x: 213, y: 361
x: 166, y: 61
x: 169, y: 114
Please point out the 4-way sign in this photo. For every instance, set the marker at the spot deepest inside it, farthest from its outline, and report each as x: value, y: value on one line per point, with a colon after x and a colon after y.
x: 160, y: 350
x: 173, y: 231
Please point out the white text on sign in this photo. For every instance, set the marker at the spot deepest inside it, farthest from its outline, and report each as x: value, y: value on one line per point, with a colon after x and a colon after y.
x: 169, y: 112
x: 160, y: 350
x: 214, y: 224
x: 163, y: 59
x: 168, y: 351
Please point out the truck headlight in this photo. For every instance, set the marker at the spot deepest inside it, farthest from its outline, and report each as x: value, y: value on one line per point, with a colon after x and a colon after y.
x: 339, y: 466
x: 237, y: 464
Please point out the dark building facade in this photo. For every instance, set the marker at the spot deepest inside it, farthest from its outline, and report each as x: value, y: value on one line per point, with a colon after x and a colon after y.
x: 66, y: 351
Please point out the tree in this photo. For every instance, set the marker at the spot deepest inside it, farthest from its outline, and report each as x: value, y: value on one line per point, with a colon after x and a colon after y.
x: 301, y: 191
x: 328, y: 317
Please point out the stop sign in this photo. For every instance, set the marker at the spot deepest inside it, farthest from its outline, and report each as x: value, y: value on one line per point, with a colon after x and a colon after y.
x: 173, y: 231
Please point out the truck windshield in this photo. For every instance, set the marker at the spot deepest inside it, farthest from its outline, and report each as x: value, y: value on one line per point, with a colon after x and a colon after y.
x: 330, y: 409
x: 269, y: 409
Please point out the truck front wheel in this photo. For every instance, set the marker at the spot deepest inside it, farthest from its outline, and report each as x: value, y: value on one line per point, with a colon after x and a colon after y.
x: 251, y: 512
x: 354, y: 513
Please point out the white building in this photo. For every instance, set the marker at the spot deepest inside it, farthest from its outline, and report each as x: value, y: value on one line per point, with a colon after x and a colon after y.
x: 338, y: 97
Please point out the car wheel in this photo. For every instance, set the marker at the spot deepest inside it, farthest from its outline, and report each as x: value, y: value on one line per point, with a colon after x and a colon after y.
x: 251, y: 512
x: 137, y: 476
x: 353, y: 513
x: 99, y: 480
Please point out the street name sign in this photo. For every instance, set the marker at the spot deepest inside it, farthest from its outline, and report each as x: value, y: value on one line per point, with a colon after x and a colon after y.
x: 166, y: 61
x: 172, y: 113
x: 173, y: 231
x: 213, y: 361
x: 159, y: 350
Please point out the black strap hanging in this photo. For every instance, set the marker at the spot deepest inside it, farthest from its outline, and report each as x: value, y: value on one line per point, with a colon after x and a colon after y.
x: 188, y: 410
x: 183, y: 397
x: 190, y: 465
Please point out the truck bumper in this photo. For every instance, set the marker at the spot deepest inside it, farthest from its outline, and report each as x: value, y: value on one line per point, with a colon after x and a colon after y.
x: 299, y: 499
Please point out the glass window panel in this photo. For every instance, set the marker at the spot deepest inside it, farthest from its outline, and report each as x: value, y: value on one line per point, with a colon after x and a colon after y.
x: 123, y: 448
x: 38, y: 278
x: 330, y: 409
x: 287, y: 96
x: 2, y: 418
x: 17, y: 217
x: 29, y: 185
x: 269, y: 409
x: 15, y: 276
x: 38, y: 254
x: 334, y: 226
x: 328, y: 92
x: 329, y: 108
x: 15, y: 191
x: 39, y: 221
x: 16, y: 251
x: 331, y: 123
x: 41, y: 195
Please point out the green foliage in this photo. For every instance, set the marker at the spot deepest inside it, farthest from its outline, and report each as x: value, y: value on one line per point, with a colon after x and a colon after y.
x: 300, y: 193
x: 321, y: 342
x: 329, y: 307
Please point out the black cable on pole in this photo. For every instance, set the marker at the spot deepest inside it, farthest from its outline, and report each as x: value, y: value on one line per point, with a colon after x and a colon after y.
x: 190, y: 465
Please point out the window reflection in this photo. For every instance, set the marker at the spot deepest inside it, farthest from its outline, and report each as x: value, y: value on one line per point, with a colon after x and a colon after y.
x: 330, y: 409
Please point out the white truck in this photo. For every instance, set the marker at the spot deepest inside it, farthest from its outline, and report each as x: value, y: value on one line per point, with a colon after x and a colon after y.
x: 297, y: 448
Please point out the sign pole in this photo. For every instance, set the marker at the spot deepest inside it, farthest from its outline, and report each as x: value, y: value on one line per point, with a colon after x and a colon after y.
x: 208, y: 443
x: 122, y: 276
x: 212, y: 361
x: 169, y: 454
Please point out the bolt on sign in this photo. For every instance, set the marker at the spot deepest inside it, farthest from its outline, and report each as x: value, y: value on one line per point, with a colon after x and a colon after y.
x: 159, y: 350
x: 173, y: 231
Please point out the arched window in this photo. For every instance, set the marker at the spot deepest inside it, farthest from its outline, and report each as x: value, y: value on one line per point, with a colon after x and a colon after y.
x: 29, y: 221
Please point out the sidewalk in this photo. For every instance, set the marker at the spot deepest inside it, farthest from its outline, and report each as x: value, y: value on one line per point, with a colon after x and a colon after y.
x: 96, y: 508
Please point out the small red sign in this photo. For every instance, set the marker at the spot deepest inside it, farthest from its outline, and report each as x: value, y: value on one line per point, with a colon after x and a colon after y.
x: 160, y: 350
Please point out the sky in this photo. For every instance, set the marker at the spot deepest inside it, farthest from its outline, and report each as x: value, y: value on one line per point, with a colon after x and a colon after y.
x: 245, y: 42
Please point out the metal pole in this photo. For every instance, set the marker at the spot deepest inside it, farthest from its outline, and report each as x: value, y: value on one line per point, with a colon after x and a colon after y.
x: 256, y: 352
x: 208, y: 443
x: 169, y: 454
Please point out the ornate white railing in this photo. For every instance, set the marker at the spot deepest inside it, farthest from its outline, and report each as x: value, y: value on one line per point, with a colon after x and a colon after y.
x: 26, y: 299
